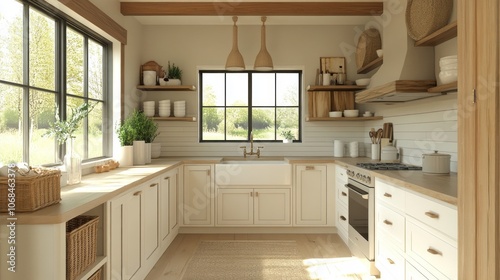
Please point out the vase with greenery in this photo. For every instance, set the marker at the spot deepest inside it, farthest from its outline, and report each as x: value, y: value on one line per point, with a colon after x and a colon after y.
x: 288, y: 135
x: 150, y: 129
x: 174, y: 74
x: 126, y: 135
x: 64, y: 130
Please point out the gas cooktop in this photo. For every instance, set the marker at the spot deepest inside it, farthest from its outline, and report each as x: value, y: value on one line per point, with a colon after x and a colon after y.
x: 387, y: 166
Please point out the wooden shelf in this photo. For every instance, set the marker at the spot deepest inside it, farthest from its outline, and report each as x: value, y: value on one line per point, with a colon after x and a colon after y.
x: 183, y: 119
x: 167, y: 88
x: 312, y: 119
x: 444, y: 88
x: 397, y: 91
x: 372, y: 65
x: 439, y: 36
x: 99, y: 262
x: 335, y: 88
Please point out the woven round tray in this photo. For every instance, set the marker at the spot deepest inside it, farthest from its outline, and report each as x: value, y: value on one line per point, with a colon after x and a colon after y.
x: 368, y: 44
x: 426, y: 16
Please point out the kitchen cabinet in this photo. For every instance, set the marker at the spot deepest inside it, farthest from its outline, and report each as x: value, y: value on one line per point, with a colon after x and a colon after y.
x: 168, y: 206
x: 342, y: 202
x: 416, y: 235
x: 198, y: 195
x: 134, y: 232
x: 310, y: 195
x: 253, y: 206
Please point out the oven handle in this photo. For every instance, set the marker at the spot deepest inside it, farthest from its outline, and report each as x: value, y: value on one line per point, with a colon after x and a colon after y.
x: 364, y: 196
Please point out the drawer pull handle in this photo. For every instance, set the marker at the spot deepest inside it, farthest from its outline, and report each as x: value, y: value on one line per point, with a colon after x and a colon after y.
x: 387, y: 195
x: 432, y: 215
x: 309, y: 167
x: 166, y: 178
x: 388, y: 222
x: 251, y: 194
x: 434, y: 252
x: 344, y: 194
x: 256, y: 194
x: 153, y: 185
x: 137, y: 193
x: 390, y: 261
x: 343, y: 218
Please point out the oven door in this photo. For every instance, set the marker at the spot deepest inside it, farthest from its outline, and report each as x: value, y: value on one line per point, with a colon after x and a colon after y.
x: 361, y: 219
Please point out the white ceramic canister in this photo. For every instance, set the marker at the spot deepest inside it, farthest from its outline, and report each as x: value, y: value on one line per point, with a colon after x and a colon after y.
x: 338, y: 148
x: 436, y: 163
x: 389, y: 153
x: 353, y: 149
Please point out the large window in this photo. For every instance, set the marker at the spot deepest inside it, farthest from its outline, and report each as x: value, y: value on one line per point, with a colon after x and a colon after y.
x: 48, y: 65
x: 233, y: 104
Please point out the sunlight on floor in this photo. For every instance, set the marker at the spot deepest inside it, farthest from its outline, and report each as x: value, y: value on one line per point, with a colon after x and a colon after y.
x: 337, y: 268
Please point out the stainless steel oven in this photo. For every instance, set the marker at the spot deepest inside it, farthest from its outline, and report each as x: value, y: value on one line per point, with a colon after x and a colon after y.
x: 361, y: 219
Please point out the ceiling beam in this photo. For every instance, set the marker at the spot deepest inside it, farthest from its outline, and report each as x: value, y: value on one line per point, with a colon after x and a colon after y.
x: 224, y: 8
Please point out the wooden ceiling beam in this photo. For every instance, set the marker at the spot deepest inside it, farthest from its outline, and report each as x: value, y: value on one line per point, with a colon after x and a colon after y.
x: 251, y: 8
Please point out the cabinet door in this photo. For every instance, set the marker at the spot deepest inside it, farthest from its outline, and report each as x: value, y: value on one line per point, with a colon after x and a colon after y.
x: 197, y: 195
x: 272, y: 207
x: 164, y: 211
x: 173, y: 193
x: 126, y: 235
x: 311, y: 196
x: 150, y: 218
x: 235, y: 206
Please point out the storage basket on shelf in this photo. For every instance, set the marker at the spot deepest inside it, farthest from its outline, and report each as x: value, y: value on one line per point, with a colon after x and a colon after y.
x: 32, y: 192
x: 97, y: 275
x: 81, y: 244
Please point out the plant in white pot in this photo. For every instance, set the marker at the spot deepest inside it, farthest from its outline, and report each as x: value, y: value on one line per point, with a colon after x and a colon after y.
x: 64, y: 130
x: 174, y: 75
x: 150, y: 130
x: 126, y: 135
x: 137, y: 120
x: 288, y: 135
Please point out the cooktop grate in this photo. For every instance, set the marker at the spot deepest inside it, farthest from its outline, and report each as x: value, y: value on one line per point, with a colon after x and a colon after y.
x: 387, y: 166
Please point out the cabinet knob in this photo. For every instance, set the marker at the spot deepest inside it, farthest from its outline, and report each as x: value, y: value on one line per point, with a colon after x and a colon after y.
x: 390, y: 260
x: 256, y: 194
x: 387, y: 195
x: 344, y: 194
x: 343, y: 218
x: 388, y: 222
x: 432, y: 215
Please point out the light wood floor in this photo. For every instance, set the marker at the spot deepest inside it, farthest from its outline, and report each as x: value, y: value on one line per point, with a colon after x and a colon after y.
x: 325, y: 255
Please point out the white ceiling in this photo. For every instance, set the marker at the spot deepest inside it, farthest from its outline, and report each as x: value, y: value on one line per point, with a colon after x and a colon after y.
x: 253, y: 20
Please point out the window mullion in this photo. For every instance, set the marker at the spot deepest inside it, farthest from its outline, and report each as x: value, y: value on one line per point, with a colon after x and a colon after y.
x: 85, y: 94
x: 250, y: 105
x: 26, y: 81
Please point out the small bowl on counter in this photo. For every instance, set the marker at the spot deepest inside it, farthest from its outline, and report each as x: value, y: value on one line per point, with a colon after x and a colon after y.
x: 351, y: 113
x: 363, y: 82
x: 335, y: 114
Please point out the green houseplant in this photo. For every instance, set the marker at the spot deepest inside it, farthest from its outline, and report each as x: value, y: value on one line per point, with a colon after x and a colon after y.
x: 126, y: 135
x: 145, y: 131
x: 174, y: 75
x: 64, y: 130
x: 288, y: 135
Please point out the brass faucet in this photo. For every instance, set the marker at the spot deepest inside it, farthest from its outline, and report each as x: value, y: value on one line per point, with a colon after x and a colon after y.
x: 245, y: 153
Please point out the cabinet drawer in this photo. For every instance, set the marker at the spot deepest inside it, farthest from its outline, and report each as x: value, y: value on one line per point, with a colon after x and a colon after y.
x: 389, y: 261
x: 391, y: 224
x: 431, y: 249
x: 340, y: 173
x: 342, y: 192
x: 435, y: 214
x: 413, y: 273
x: 390, y: 194
x: 342, y: 219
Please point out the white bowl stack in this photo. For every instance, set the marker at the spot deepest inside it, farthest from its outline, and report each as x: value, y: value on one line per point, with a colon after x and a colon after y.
x: 180, y: 108
x: 149, y: 108
x: 448, y: 67
x: 164, y: 108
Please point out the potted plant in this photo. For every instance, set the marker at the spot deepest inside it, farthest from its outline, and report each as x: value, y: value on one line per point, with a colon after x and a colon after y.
x: 174, y: 75
x: 150, y: 133
x: 64, y: 130
x: 126, y: 135
x: 288, y: 135
x: 137, y: 120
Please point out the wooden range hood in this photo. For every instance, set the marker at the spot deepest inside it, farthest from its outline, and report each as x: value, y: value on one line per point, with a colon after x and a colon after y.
x: 398, y: 91
x: 241, y: 8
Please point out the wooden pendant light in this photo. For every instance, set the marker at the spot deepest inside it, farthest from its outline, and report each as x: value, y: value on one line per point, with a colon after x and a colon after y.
x: 263, y: 61
x: 235, y: 61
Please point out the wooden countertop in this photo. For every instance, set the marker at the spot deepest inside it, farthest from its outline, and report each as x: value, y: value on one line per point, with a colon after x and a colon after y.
x: 96, y: 189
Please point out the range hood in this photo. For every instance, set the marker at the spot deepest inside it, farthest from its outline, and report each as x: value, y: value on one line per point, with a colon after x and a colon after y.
x: 407, y: 71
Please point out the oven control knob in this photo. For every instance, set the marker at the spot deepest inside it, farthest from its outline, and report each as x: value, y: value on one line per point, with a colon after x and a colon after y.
x: 368, y: 179
x: 358, y: 176
x: 364, y: 178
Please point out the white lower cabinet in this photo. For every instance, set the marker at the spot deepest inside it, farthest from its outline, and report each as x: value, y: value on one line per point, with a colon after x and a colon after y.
x: 311, y: 195
x: 415, y: 235
x: 134, y: 231
x: 169, y: 188
x: 248, y: 206
x: 342, y: 202
x: 198, y: 195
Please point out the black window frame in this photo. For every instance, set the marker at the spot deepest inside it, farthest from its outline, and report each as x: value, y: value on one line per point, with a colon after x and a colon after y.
x: 250, y: 106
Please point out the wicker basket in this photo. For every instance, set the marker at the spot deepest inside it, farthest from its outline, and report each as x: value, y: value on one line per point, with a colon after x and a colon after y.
x: 97, y: 275
x: 32, y: 193
x: 81, y: 244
